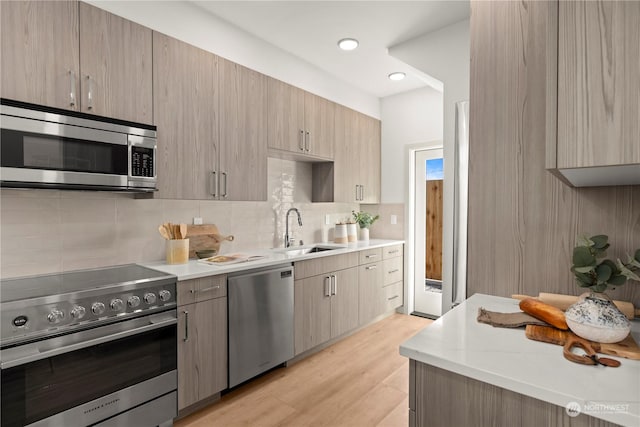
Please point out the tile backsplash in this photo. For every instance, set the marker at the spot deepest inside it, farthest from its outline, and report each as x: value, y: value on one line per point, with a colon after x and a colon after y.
x: 47, y: 231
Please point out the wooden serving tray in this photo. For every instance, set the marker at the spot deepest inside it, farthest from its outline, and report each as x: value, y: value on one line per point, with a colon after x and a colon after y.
x: 205, y: 236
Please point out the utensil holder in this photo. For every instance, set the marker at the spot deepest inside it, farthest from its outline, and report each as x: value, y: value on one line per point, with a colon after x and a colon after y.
x: 177, y: 251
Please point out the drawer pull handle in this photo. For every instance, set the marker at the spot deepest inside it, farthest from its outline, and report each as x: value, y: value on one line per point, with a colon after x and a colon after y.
x: 371, y: 267
x: 213, y: 288
x: 394, y: 252
x: 393, y: 297
x: 393, y: 271
x: 371, y: 256
x: 192, y: 291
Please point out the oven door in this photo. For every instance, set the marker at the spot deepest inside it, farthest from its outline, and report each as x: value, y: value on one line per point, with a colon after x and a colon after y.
x: 86, y: 377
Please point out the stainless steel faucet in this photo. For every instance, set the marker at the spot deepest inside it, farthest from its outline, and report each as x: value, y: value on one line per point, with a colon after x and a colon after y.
x: 287, y: 241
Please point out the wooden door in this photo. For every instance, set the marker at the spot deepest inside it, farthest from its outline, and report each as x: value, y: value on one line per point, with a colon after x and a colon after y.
x: 116, y: 66
x: 186, y: 111
x: 202, y: 350
x: 344, y: 304
x: 598, y: 83
x: 370, y: 292
x: 319, y: 115
x: 243, y: 133
x: 316, y: 313
x: 369, y: 155
x: 433, y: 230
x: 286, y: 116
x: 39, y: 52
x: 346, y: 163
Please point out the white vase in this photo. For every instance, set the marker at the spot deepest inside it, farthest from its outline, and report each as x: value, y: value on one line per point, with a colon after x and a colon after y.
x: 596, y: 318
x: 364, y: 234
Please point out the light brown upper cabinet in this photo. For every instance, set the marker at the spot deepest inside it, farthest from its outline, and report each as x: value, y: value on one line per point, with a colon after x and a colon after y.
x: 598, y: 93
x: 71, y: 55
x: 185, y: 86
x: 243, y: 133
x: 40, y: 52
x: 115, y: 66
x: 300, y: 122
x: 357, y: 157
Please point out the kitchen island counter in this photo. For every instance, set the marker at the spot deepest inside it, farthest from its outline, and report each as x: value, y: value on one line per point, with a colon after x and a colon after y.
x: 506, y: 359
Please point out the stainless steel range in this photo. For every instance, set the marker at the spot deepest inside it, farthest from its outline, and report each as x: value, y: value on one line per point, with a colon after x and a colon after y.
x: 90, y: 347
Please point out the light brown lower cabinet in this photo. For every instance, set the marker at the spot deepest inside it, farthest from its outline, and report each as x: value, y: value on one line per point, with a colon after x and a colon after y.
x: 202, y: 349
x: 381, y: 285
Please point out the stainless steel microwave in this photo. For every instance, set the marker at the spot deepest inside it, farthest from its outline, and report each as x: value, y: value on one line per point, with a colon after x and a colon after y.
x: 42, y: 147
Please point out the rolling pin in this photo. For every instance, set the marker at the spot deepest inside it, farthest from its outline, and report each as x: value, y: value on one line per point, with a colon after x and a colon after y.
x: 564, y: 301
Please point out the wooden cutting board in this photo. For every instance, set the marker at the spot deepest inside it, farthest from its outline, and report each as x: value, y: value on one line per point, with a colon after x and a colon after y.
x: 205, y: 236
x: 627, y: 348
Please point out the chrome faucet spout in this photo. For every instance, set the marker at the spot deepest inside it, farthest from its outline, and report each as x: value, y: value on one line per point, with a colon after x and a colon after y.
x: 287, y: 241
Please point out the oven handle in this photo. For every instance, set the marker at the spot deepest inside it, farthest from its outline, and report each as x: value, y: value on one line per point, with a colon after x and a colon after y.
x: 34, y: 351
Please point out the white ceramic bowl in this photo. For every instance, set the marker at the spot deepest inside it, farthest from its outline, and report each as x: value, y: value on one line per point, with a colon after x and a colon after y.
x: 597, y: 319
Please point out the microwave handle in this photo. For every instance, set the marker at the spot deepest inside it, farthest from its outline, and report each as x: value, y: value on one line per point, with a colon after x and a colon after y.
x: 32, y: 352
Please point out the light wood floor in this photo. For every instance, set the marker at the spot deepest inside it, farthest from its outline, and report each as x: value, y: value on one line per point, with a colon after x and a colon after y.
x: 359, y: 381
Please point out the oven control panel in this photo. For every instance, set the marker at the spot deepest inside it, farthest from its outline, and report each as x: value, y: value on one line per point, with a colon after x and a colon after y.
x: 78, y: 311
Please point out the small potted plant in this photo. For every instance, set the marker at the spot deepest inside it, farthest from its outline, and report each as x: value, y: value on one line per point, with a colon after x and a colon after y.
x: 594, y: 316
x: 364, y: 220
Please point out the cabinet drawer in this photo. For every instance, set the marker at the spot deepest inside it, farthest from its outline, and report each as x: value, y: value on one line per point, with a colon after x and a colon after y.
x: 322, y: 265
x: 393, y: 297
x: 392, y: 251
x: 370, y: 255
x: 393, y: 269
x: 205, y: 288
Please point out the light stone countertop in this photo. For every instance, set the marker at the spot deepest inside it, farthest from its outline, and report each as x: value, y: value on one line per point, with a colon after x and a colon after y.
x: 194, y: 269
x: 506, y: 358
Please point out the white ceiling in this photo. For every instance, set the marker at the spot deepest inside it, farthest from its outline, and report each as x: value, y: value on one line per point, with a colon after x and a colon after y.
x: 310, y: 30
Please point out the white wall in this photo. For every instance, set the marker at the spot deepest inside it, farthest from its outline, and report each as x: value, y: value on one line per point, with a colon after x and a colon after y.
x: 191, y: 24
x: 407, y: 119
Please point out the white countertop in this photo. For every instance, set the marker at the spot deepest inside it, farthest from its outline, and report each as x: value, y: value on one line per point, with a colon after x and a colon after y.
x: 506, y: 358
x: 194, y: 269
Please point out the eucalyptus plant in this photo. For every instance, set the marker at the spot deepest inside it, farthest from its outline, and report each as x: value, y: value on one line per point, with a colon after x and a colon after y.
x: 597, y: 274
x: 364, y: 219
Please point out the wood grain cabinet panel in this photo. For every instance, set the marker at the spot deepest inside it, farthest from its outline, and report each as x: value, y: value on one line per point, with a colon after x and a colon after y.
x: 202, y: 350
x: 185, y: 82
x: 319, y: 116
x: 316, y: 312
x: 370, y: 292
x: 243, y: 133
x: 325, y: 264
x: 39, y: 52
x: 598, y: 83
x: 285, y: 116
x: 369, y: 154
x: 344, y: 302
x: 115, y: 66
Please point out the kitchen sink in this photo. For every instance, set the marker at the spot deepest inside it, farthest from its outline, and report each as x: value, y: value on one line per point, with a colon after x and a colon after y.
x: 308, y: 250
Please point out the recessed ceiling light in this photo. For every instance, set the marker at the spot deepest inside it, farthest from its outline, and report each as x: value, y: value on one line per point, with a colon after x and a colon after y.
x: 348, y: 44
x: 397, y: 76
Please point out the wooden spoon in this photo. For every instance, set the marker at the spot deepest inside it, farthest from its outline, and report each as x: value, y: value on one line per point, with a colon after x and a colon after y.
x: 163, y: 232
x: 183, y: 231
x: 169, y: 230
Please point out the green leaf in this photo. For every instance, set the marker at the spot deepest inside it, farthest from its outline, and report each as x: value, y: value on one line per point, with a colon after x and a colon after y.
x: 600, y: 287
x: 584, y: 285
x: 582, y: 257
x: 600, y: 241
x: 626, y: 272
x: 637, y: 255
x: 603, y: 273
x: 617, y: 280
x: 583, y: 269
x: 612, y: 265
x: 583, y: 240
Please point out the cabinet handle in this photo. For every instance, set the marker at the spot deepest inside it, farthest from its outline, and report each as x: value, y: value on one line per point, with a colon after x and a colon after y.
x: 327, y: 286
x: 301, y: 140
x: 224, y: 175
x: 393, y: 271
x: 212, y: 288
x: 307, y: 141
x: 393, y: 252
x: 89, y: 93
x: 213, y: 184
x: 186, y: 326
x: 393, y: 297
x: 334, y: 290
x: 371, y: 256
x: 72, y: 92
x: 371, y: 267
x: 357, y: 187
x: 361, y: 192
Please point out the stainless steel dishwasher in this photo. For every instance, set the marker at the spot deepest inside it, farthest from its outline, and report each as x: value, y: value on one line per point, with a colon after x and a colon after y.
x: 260, y: 321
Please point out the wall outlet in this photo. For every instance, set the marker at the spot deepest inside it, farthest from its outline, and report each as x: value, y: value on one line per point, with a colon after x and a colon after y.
x: 197, y: 220
x: 327, y: 219
x: 394, y: 219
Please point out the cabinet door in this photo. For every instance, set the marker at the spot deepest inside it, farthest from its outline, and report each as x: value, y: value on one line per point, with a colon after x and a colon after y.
x: 319, y: 115
x: 186, y: 112
x: 202, y: 350
x: 598, y: 83
x: 316, y: 311
x: 344, y: 302
x: 370, y: 291
x: 115, y: 66
x: 243, y: 133
x: 369, y: 138
x: 346, y: 161
x: 39, y: 52
x: 286, y: 116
